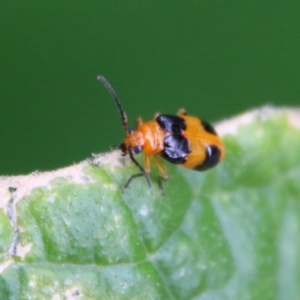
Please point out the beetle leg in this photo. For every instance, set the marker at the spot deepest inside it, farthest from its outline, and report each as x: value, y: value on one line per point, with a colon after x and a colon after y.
x: 157, y: 114
x: 139, y: 122
x: 147, y: 164
x: 160, y: 168
x: 163, y: 175
x: 181, y: 112
x: 126, y: 185
x: 142, y: 173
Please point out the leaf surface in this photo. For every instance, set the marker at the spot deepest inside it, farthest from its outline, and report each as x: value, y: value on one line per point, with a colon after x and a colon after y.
x: 228, y: 233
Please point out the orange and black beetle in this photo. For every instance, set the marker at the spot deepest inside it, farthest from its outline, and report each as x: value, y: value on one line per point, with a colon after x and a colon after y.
x: 180, y: 139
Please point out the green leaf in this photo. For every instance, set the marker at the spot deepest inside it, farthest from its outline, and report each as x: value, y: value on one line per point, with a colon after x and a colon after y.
x: 228, y: 233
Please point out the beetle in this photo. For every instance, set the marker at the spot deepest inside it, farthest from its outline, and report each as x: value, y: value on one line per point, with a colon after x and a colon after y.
x: 180, y: 139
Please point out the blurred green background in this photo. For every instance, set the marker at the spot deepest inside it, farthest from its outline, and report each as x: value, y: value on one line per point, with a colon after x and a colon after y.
x: 215, y: 58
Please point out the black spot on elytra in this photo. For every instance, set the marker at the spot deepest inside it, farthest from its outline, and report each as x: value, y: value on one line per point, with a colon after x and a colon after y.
x: 208, y: 127
x: 176, y: 149
x: 212, y: 157
x: 173, y: 124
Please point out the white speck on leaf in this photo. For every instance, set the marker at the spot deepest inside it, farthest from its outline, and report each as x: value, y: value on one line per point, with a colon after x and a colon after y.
x: 144, y: 211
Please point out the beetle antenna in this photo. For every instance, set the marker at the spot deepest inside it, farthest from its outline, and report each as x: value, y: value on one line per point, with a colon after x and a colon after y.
x: 117, y: 100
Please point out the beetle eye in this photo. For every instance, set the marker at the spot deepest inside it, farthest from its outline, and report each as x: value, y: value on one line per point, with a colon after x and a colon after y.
x: 130, y: 131
x: 137, y: 149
